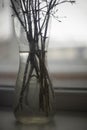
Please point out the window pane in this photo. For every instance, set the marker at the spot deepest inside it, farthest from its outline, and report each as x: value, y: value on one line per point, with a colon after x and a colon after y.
x: 67, y: 55
x: 71, y: 31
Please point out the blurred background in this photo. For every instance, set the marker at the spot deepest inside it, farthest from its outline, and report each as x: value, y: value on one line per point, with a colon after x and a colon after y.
x: 66, y: 58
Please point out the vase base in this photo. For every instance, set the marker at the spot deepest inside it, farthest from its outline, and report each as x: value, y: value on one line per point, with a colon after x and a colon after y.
x: 33, y: 120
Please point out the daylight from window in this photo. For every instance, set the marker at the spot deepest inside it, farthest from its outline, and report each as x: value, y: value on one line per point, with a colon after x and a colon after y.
x: 71, y: 31
x: 67, y: 46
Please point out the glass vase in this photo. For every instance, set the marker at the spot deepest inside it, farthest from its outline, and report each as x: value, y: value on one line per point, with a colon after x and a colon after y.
x: 28, y: 111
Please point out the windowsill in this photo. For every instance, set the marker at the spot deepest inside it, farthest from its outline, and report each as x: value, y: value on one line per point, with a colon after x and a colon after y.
x: 62, y: 120
x: 65, y: 98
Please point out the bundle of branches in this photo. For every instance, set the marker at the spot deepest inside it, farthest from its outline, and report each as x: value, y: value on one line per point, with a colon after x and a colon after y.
x: 34, y: 17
